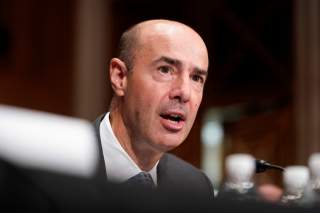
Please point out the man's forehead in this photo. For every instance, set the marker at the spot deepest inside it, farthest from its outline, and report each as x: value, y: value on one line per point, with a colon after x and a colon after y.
x: 162, y: 37
x: 163, y: 28
x: 175, y: 45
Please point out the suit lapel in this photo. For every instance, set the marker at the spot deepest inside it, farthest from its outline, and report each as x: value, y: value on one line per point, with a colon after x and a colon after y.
x: 101, y: 174
x: 163, y: 172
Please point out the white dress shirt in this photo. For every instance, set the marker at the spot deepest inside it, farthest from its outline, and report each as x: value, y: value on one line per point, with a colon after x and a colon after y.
x: 119, y: 166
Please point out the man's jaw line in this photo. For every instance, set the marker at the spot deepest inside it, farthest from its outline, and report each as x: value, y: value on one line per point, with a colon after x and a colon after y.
x: 144, y: 154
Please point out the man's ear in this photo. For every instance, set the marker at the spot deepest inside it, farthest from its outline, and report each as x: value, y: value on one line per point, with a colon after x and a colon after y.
x: 118, y: 76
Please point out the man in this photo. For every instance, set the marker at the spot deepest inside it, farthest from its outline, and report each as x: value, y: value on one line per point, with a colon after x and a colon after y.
x: 158, y: 81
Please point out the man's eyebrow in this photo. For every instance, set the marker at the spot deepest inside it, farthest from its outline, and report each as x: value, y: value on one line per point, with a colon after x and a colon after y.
x: 168, y: 60
x: 200, y: 72
x: 178, y: 63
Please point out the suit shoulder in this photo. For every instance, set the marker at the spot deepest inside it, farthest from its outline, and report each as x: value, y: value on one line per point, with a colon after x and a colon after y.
x: 175, y: 172
x: 178, y: 167
x: 178, y: 163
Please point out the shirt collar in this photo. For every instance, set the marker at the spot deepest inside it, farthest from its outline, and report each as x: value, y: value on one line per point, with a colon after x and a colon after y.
x: 119, y: 165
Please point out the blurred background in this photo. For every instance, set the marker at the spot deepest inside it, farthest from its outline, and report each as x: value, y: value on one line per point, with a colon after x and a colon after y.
x: 263, y: 92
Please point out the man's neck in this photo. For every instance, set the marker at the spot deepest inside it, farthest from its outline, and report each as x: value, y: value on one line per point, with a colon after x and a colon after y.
x: 141, y: 153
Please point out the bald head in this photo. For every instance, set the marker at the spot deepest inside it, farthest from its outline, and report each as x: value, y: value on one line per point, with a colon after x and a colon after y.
x: 142, y: 33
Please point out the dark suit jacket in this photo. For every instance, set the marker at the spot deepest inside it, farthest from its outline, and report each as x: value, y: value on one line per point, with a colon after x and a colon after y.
x: 174, y: 174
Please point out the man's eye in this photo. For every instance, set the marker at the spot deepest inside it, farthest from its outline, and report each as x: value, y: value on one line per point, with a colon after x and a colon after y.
x: 165, y: 69
x: 198, y: 78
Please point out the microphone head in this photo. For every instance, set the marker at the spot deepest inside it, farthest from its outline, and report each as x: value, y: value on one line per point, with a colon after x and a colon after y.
x: 314, y: 164
x: 262, y: 166
x: 240, y: 167
x: 295, y: 178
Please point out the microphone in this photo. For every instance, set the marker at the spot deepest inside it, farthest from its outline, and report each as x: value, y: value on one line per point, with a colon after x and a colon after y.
x: 262, y: 166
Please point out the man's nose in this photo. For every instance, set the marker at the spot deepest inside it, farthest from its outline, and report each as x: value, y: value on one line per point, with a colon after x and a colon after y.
x: 181, y: 89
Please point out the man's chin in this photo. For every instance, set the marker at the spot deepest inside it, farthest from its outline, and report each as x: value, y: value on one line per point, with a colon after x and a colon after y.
x: 168, y: 145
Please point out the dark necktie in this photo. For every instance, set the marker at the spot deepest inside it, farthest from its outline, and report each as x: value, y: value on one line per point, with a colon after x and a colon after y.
x: 143, y: 179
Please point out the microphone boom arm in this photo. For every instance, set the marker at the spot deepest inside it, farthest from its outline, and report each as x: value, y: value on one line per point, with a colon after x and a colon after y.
x: 262, y: 166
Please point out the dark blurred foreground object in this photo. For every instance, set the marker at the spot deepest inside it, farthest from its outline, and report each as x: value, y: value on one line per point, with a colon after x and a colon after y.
x: 47, y: 161
x: 43, y: 191
x: 39, y: 191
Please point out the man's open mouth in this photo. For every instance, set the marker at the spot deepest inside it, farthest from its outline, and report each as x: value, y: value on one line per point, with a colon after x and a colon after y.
x: 173, y: 117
